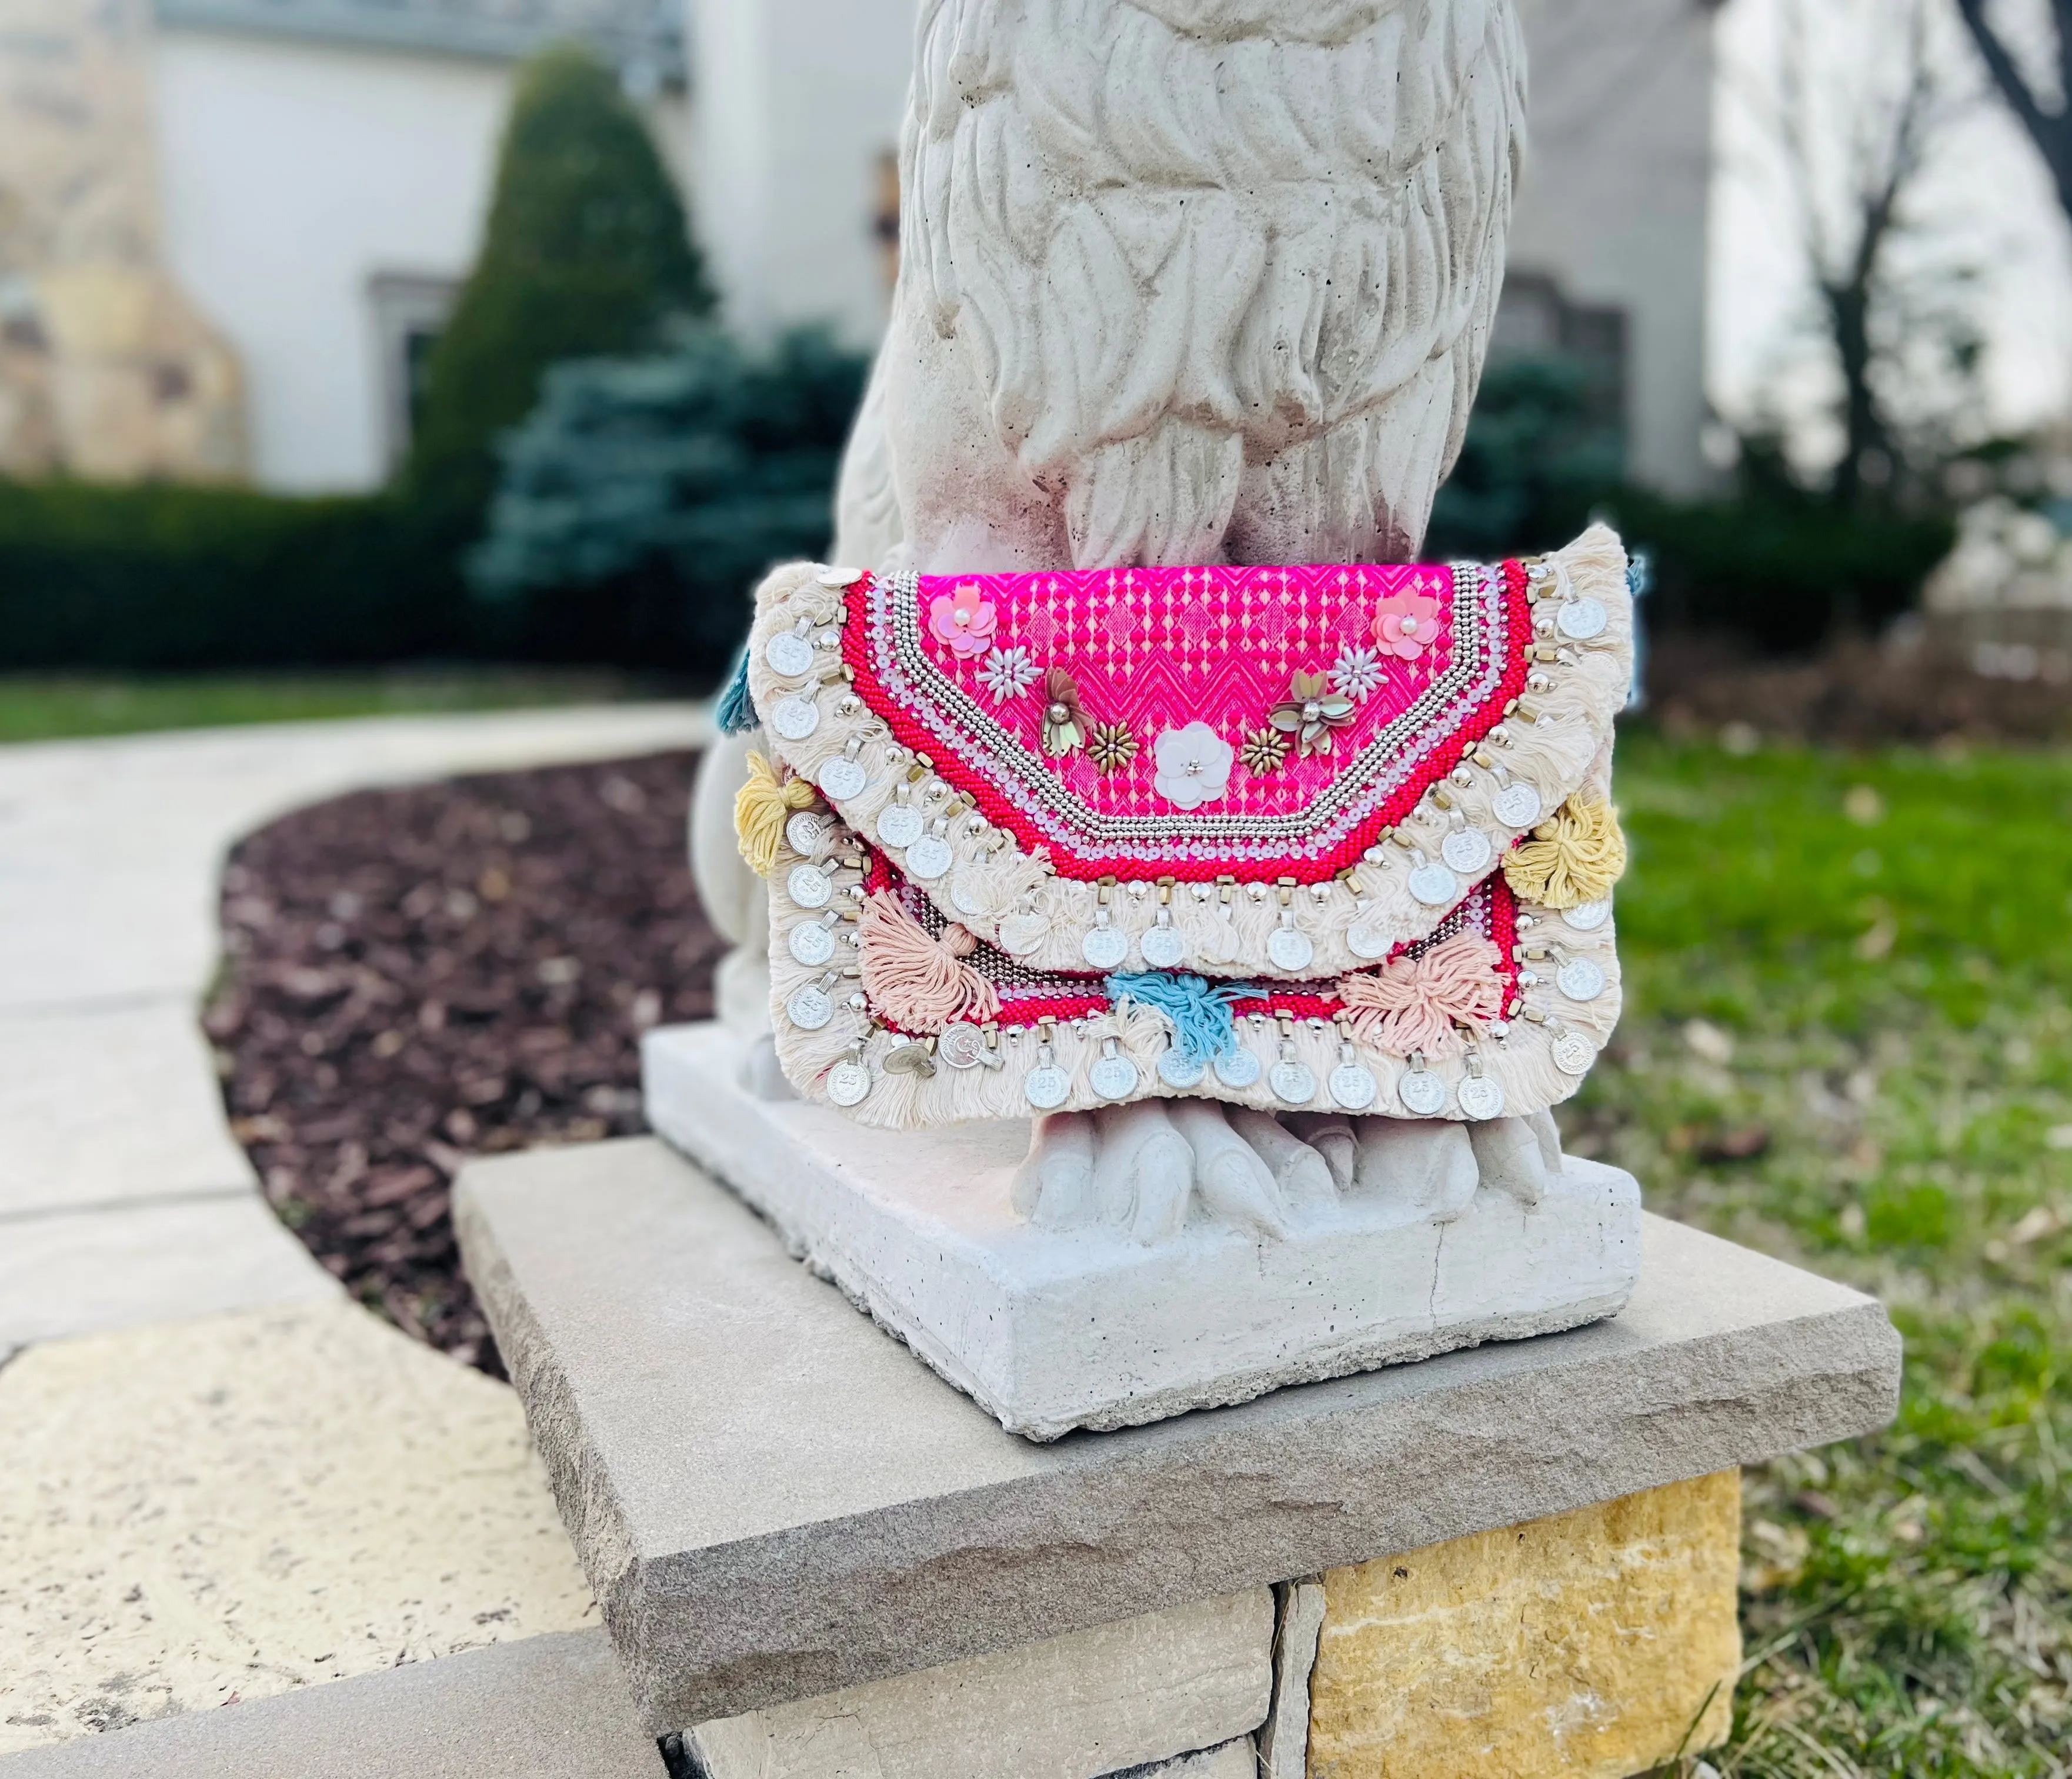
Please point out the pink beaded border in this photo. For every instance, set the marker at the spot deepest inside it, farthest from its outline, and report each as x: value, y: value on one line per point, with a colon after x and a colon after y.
x: 869, y: 649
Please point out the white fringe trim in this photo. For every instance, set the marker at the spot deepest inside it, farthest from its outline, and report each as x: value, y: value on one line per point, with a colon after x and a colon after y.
x: 991, y: 879
x: 1522, y: 1063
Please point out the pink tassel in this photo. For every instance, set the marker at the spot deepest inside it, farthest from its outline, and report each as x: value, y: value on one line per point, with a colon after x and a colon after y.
x: 919, y: 983
x: 1412, y: 1004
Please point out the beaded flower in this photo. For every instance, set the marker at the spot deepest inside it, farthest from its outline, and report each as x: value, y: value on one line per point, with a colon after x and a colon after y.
x: 1311, y: 711
x: 1110, y: 745
x: 1064, y: 721
x: 963, y: 621
x: 1357, y: 672
x: 1263, y: 752
x: 1009, y: 672
x: 1406, y: 624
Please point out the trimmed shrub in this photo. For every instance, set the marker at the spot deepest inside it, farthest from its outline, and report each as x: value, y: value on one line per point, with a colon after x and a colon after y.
x: 644, y: 497
x: 161, y: 577
x: 1773, y: 565
x: 1783, y: 575
x: 586, y: 251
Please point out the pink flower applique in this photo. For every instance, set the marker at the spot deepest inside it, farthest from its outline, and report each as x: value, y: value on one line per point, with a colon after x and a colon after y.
x: 1406, y: 624
x: 964, y: 620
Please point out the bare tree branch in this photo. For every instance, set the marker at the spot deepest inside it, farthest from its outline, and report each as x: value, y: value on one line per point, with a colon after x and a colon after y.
x: 2051, y: 131
x: 1852, y: 153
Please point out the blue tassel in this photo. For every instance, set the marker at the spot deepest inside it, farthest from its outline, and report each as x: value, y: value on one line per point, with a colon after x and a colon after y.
x: 736, y: 714
x: 1203, y: 1026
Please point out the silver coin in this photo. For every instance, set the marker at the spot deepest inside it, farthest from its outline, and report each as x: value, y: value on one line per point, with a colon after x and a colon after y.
x: 1421, y: 1092
x: 834, y: 579
x: 1238, y: 1068
x: 1354, y: 1087
x: 1104, y: 947
x: 900, y: 825
x: 1114, y: 1078
x: 789, y: 653
x: 1468, y: 851
x: 796, y: 717
x: 809, y: 1008
x: 1369, y: 942
x: 1045, y: 1089
x: 812, y: 945
x: 964, y: 897
x: 1435, y: 886
x: 911, y: 1059
x: 1517, y: 805
x: 1583, y: 619
x: 1294, y: 1082
x: 1163, y: 948
x: 1021, y: 934
x: 809, y: 887
x: 1288, y: 949
x: 1573, y: 1053
x: 849, y: 1083
x: 808, y: 831
x: 1587, y: 917
x: 961, y: 1046
x: 842, y: 778
x: 929, y: 857
x: 1580, y: 979
x: 1178, y: 1069
x: 1481, y: 1097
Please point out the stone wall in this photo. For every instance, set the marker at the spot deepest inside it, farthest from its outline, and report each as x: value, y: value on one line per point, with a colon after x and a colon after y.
x: 106, y: 370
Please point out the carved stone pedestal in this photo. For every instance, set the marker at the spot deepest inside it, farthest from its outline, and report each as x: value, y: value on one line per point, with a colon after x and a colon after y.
x: 1052, y: 1331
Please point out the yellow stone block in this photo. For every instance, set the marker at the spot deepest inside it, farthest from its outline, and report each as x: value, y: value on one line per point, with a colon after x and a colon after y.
x: 1592, y: 1645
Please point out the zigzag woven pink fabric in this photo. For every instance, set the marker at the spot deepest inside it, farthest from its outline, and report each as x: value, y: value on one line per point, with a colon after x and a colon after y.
x: 1170, y: 679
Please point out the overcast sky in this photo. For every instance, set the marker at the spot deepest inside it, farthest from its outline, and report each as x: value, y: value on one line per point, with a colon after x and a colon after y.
x: 1988, y: 200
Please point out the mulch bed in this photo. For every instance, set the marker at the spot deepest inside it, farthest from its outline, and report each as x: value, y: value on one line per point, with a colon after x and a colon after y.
x: 413, y: 976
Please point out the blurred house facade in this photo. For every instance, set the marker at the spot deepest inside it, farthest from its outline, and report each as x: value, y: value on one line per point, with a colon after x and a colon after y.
x: 228, y: 228
x: 107, y: 367
x: 798, y: 100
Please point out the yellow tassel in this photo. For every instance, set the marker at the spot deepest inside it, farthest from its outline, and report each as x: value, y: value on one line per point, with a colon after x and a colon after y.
x: 1575, y: 858
x: 761, y: 808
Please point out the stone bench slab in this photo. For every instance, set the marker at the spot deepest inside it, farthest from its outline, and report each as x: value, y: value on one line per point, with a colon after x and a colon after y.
x: 774, y: 1500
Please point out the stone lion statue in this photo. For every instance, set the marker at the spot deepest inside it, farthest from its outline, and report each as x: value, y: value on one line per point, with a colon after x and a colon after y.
x: 1182, y: 282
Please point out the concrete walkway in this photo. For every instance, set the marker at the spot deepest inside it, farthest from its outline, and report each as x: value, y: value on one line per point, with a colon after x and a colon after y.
x: 219, y: 1480
x: 122, y: 1197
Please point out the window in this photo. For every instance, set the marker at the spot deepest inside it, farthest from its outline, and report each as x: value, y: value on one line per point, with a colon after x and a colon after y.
x: 409, y: 312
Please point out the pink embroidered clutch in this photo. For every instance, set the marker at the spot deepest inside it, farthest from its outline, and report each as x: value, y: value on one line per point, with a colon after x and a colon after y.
x: 1335, y: 838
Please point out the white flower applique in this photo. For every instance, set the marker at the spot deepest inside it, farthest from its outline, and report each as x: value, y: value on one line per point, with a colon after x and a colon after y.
x: 1357, y: 672
x: 1009, y: 672
x: 1193, y: 765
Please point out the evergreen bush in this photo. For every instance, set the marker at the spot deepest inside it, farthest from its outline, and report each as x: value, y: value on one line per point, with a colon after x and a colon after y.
x: 643, y: 497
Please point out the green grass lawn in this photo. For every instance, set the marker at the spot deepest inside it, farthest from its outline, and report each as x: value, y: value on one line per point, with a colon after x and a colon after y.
x: 1848, y: 1042
x: 39, y: 707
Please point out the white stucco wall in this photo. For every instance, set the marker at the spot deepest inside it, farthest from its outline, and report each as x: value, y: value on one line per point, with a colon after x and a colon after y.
x: 1616, y: 199
x: 294, y: 172
x: 797, y: 101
